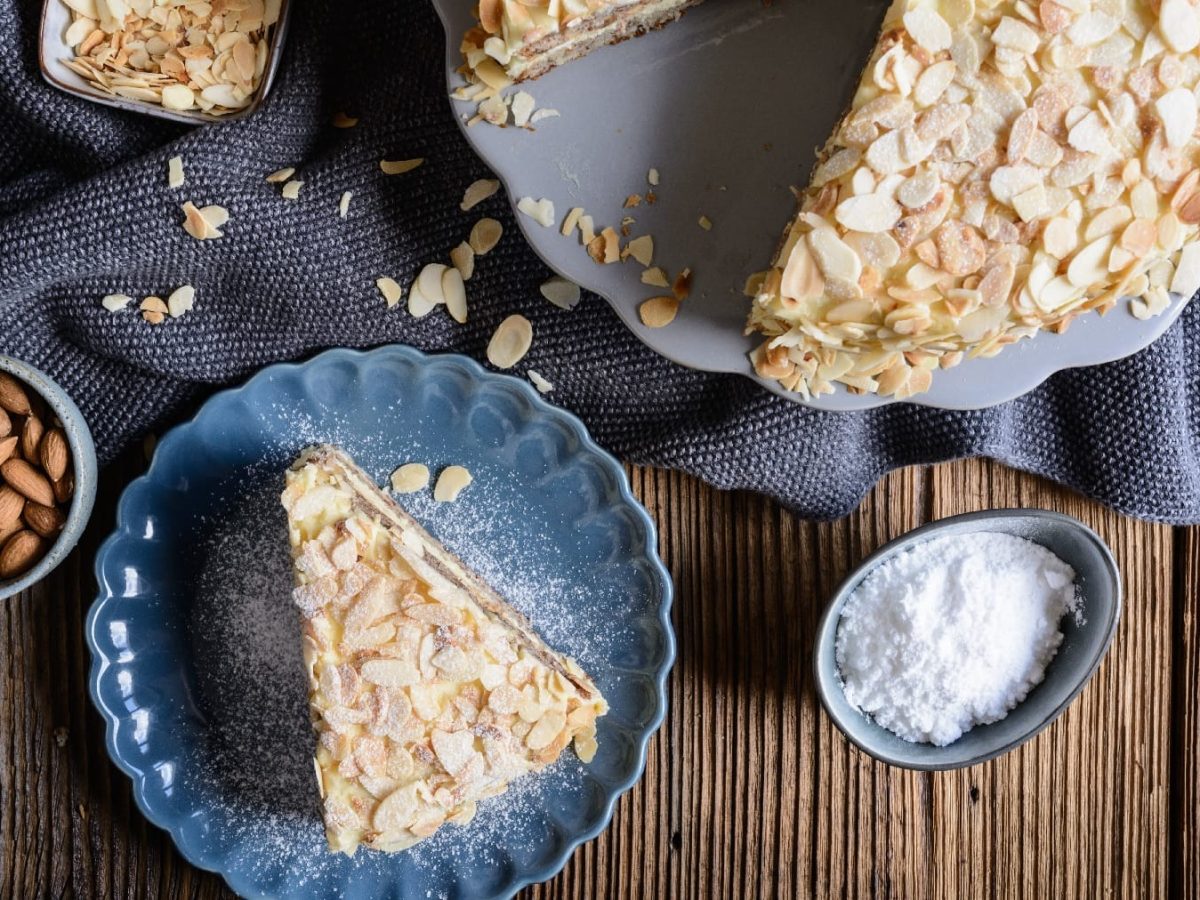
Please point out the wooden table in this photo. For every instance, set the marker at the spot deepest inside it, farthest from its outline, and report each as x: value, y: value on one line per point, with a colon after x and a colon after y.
x: 749, y: 790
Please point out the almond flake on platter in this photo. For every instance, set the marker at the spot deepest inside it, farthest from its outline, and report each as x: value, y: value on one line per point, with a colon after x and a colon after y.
x: 116, y: 302
x: 291, y: 190
x: 587, y: 230
x: 605, y: 248
x: 541, y: 211
x: 652, y: 177
x: 279, y: 176
x: 344, y: 204
x: 391, y: 291
x: 522, y: 106
x: 543, y: 386
x: 640, y: 248
x: 510, y: 342
x: 562, y: 293
x: 543, y: 114
x: 656, y: 277
x: 485, y: 235
x: 477, y: 192
x: 399, y: 166
x: 572, y: 220
x: 658, y: 312
x: 175, y: 176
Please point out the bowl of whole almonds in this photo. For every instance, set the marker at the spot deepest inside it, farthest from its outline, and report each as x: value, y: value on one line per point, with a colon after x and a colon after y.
x: 47, y: 475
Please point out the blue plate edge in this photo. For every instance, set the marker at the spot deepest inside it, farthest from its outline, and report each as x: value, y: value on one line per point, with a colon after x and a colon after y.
x: 101, y: 662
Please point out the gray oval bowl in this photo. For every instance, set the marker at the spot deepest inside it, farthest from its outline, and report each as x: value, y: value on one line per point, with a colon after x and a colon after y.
x: 1083, y: 646
x: 83, y: 458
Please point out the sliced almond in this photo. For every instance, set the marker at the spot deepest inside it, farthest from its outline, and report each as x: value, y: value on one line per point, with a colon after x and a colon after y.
x: 541, y: 211
x: 463, y: 258
x: 175, y: 176
x: 281, y: 175
x: 410, y: 477
x: 455, y: 294
x: 452, y: 481
x: 510, y: 342
x: 390, y: 289
x: 399, y: 166
x: 485, y: 235
x: 658, y: 312
x: 562, y: 293
x: 477, y: 192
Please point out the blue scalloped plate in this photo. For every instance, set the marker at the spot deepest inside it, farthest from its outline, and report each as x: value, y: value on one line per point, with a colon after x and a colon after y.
x: 196, y: 666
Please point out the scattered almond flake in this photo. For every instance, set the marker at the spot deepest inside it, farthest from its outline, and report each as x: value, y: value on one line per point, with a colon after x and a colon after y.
x: 658, y: 312
x: 452, y: 481
x: 543, y: 386
x: 344, y: 204
x: 116, y: 302
x: 651, y: 198
x: 281, y: 175
x: 392, y: 292
x: 154, y: 310
x: 456, y: 294
x: 587, y: 230
x: 410, y: 477
x: 522, y: 108
x: 291, y: 190
x: 541, y: 211
x: 341, y: 120
x: 605, y: 248
x: 655, y: 276
x: 641, y: 249
x: 493, y: 110
x: 463, y: 258
x: 484, y: 236
x: 562, y: 293
x: 477, y: 192
x: 429, y: 281
x: 571, y: 220
x: 754, y: 283
x: 175, y: 177
x: 1186, y: 280
x: 652, y: 177
x: 541, y: 114
x: 181, y: 301
x: 632, y: 201
x: 418, y: 304
x: 682, y: 286
x: 198, y: 225
x: 705, y: 222
x: 510, y: 342
x: 399, y: 166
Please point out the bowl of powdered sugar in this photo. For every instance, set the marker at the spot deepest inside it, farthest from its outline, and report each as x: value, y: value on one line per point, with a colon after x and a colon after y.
x: 964, y: 638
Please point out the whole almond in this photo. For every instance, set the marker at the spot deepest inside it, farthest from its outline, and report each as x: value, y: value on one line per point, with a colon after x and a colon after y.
x: 31, y: 437
x: 7, y: 531
x: 45, y: 520
x: 27, y: 481
x: 54, y: 454
x: 12, y: 395
x: 64, y: 488
x: 11, y: 504
x: 5, y: 423
x: 8, y: 446
x: 19, y: 554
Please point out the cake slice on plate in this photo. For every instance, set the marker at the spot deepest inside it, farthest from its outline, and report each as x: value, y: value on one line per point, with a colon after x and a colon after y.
x: 521, y: 39
x: 427, y: 691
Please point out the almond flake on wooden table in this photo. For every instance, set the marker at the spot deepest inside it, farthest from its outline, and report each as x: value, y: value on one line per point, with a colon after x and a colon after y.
x: 175, y: 176
x: 543, y: 386
x: 116, y: 302
x: 510, y: 342
x: 390, y: 289
x: 477, y: 192
x: 485, y: 235
x: 541, y: 211
x: 291, y: 190
x: 181, y: 301
x: 344, y: 204
x: 281, y: 175
x: 399, y: 166
x: 562, y: 293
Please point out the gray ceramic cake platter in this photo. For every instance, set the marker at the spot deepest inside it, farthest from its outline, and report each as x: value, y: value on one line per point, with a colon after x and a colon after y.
x: 729, y: 104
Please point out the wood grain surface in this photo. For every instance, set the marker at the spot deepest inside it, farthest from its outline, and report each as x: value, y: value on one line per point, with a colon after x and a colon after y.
x: 749, y: 790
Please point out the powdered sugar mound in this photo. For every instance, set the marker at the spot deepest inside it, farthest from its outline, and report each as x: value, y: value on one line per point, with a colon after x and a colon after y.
x: 953, y: 633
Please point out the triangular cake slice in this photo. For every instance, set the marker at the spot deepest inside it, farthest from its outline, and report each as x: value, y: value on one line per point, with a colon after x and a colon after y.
x: 428, y: 692
x: 1004, y: 167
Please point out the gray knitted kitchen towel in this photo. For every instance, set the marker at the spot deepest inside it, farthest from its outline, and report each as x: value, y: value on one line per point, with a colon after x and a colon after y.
x: 85, y: 211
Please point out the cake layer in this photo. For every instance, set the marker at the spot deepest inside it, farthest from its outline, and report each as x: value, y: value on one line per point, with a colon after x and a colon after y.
x: 1003, y: 167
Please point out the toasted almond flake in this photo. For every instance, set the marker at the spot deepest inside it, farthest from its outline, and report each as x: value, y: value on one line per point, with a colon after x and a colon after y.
x: 399, y: 166
x: 391, y: 291
x: 641, y: 248
x: 571, y: 220
x: 455, y: 293
x: 463, y: 258
x: 116, y: 302
x: 485, y: 235
x: 181, y: 301
x: 705, y: 222
x: 291, y: 190
x: 477, y: 192
x: 452, y: 481
x: 175, y: 177
x: 154, y: 310
x: 196, y: 224
x: 656, y: 277
x: 562, y: 293
x: 681, y: 287
x: 605, y: 248
x: 281, y: 175
x: 541, y: 211
x: 543, y: 386
x: 652, y: 177
x: 344, y: 204
x: 341, y: 120
x: 510, y: 342
x: 658, y: 312
x: 410, y: 477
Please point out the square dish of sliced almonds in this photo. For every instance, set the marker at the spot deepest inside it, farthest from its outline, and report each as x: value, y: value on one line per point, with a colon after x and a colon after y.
x: 37, y: 478
x: 192, y: 61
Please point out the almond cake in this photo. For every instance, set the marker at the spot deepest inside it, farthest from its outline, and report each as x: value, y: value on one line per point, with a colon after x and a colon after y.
x: 427, y: 691
x: 1004, y: 166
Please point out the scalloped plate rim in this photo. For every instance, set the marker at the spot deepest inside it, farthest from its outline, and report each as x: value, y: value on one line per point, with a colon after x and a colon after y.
x: 100, y: 662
